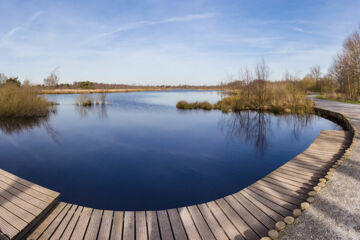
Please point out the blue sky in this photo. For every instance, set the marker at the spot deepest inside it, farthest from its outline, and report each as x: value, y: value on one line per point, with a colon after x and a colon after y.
x: 169, y: 42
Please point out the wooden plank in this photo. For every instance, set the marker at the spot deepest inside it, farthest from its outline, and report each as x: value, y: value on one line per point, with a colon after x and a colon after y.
x: 177, y: 225
x: 214, y: 226
x: 238, y: 222
x: 33, y: 205
x: 48, y: 220
x: 24, y: 216
x: 164, y: 224
x: 200, y: 223
x: 8, y: 229
x: 246, y: 216
x: 282, y: 189
x: 226, y: 225
x: 274, y: 199
x: 94, y: 224
x: 26, y: 189
x: 61, y: 228
x: 36, y: 187
x: 81, y: 225
x: 70, y: 227
x: 153, y: 226
x: 140, y: 226
x: 280, y: 210
x: 105, y: 227
x: 257, y: 212
x: 274, y: 215
x: 277, y: 194
x: 129, y: 226
x: 52, y: 227
x: 117, y: 226
x: 286, y: 185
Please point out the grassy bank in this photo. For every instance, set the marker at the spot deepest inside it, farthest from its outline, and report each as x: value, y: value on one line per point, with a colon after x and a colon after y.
x: 22, y: 102
x: 283, y: 97
x: 337, y: 97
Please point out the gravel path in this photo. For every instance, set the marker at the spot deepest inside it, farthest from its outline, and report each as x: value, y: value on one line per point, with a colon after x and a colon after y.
x: 335, y: 214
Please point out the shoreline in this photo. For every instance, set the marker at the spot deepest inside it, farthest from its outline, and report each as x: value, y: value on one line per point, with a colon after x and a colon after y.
x: 119, y: 90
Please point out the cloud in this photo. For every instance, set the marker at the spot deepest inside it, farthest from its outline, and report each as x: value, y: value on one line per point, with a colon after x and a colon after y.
x: 140, y: 24
x: 12, y: 31
x: 297, y: 29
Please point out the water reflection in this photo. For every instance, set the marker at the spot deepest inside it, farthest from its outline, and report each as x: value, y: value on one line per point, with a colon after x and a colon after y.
x: 99, y: 110
x: 257, y: 127
x: 10, y: 126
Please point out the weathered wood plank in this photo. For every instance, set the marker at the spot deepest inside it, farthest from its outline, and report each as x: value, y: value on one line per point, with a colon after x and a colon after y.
x: 176, y: 224
x: 141, y: 230
x: 48, y: 220
x: 70, y: 227
x: 82, y: 223
x: 52, y: 227
x: 94, y: 224
x: 129, y: 226
x: 152, y: 225
x: 200, y: 223
x: 105, y: 227
x: 164, y: 224
x: 225, y: 223
x: 62, y: 226
x: 214, y: 226
x: 117, y: 226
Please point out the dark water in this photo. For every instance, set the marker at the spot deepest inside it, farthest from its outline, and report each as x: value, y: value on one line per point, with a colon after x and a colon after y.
x: 141, y: 153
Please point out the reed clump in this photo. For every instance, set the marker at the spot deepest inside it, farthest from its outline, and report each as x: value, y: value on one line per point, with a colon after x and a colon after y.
x: 278, y: 98
x: 195, y: 105
x: 23, y: 102
x: 86, y: 100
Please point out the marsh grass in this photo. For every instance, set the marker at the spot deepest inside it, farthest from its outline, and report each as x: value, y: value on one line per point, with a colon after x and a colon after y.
x: 284, y: 97
x: 23, y: 102
x: 87, y: 100
x: 196, y: 105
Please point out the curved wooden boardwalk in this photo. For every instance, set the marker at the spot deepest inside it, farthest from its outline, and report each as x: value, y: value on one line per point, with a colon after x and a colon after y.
x: 247, y: 214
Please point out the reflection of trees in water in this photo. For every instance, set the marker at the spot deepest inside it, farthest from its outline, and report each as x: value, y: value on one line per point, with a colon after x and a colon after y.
x: 99, y: 110
x: 256, y: 127
x: 247, y: 126
x: 11, y: 126
x: 297, y: 123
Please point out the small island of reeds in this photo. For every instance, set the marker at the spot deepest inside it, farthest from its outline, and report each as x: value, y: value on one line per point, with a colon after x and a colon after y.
x: 259, y: 94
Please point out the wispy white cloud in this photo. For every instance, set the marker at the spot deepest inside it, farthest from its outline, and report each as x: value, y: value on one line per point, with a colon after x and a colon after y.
x: 298, y: 29
x: 140, y: 24
x: 7, y: 36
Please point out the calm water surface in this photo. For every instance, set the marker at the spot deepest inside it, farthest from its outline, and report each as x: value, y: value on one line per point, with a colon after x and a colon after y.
x: 141, y: 153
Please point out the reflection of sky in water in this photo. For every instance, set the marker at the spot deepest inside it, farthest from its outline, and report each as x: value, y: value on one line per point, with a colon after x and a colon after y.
x: 140, y: 152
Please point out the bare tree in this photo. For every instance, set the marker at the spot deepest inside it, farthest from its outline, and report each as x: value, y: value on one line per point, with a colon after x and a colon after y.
x: 246, y: 76
x: 315, y: 73
x: 52, y: 80
x: 262, y: 72
x: 345, y: 69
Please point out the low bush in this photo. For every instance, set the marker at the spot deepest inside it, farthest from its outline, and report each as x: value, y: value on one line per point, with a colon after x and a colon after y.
x: 23, y: 102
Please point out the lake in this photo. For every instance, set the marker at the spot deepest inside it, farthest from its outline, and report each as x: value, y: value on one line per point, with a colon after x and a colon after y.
x: 141, y: 153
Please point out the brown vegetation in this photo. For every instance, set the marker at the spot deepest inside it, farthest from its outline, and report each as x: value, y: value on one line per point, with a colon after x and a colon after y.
x: 258, y: 93
x: 22, y: 102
